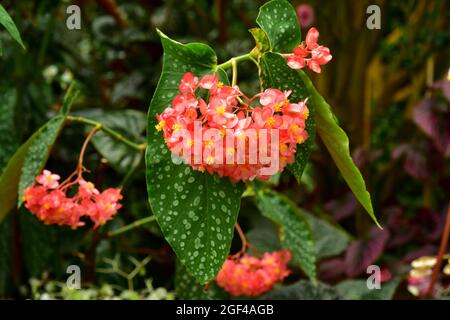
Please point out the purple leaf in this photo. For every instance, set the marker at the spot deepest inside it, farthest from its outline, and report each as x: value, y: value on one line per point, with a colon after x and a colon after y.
x: 362, y: 253
x: 332, y: 269
x: 343, y: 207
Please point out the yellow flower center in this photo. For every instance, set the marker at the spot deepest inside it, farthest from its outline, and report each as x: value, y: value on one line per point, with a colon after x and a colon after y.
x: 176, y: 127
x: 306, y: 113
x: 220, y: 110
x: 209, y: 143
x: 294, y: 128
x: 270, y: 121
x: 209, y: 159
x: 160, y: 125
x: 277, y: 107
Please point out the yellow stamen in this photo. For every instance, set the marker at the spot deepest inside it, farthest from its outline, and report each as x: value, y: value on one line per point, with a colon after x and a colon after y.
x: 277, y: 107
x: 209, y: 143
x: 219, y: 84
x: 300, y: 139
x: 160, y: 125
x: 220, y: 110
x: 176, y: 127
x: 306, y: 113
x: 270, y: 121
x: 209, y: 159
x: 230, y: 151
x: 294, y: 128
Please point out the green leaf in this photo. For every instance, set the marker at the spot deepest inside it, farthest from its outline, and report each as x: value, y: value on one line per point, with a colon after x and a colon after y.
x: 329, y: 240
x: 261, y: 40
x: 6, y: 256
x: 196, y: 211
x: 40, y: 245
x: 8, y: 139
x: 264, y: 237
x: 358, y: 290
x: 336, y: 141
x: 187, y: 288
x: 36, y: 154
x: 295, y: 231
x: 279, y: 21
x: 29, y: 160
x: 9, y: 180
x: 9, y: 25
x: 41, y: 144
x: 303, y: 290
x: 275, y: 73
x: 129, y: 123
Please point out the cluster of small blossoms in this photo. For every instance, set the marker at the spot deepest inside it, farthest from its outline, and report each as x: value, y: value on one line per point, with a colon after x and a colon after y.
x: 250, y: 276
x: 206, y: 105
x: 309, y: 53
x: 47, y: 199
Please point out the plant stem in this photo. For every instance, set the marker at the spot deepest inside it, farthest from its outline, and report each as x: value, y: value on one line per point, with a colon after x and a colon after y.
x: 234, y: 68
x: 83, y: 148
x: 114, y: 134
x: 228, y: 64
x: 442, y: 248
x: 131, y: 226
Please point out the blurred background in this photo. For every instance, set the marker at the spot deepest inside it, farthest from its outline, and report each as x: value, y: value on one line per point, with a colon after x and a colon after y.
x: 390, y: 89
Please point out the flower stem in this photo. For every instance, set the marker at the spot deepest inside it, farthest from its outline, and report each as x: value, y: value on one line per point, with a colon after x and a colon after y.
x: 228, y: 64
x: 112, y: 133
x: 131, y: 226
x: 83, y: 149
x: 235, y: 72
x: 442, y: 248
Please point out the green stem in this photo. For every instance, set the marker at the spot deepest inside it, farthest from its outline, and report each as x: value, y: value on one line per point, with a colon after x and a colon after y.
x: 235, y: 72
x: 131, y: 226
x: 114, y: 134
x: 228, y: 64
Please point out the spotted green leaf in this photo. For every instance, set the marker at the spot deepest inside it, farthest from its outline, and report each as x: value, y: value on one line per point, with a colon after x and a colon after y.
x: 279, y: 21
x: 196, y: 211
x: 337, y: 143
x: 8, y: 139
x: 276, y: 74
x: 187, y: 288
x: 8, y: 23
x: 9, y: 180
x: 29, y: 159
x: 40, y: 147
x: 295, y: 232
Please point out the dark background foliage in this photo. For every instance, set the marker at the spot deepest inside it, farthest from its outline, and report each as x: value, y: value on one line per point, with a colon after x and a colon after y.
x: 388, y: 87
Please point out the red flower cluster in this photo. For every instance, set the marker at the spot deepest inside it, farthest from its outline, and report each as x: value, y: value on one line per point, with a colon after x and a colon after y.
x: 224, y: 134
x: 250, y: 276
x: 318, y: 55
x: 48, y: 201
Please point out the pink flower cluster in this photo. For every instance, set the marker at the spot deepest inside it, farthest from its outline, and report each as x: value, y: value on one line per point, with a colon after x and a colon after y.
x: 207, y: 105
x: 309, y: 53
x: 250, y: 276
x: 48, y: 201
